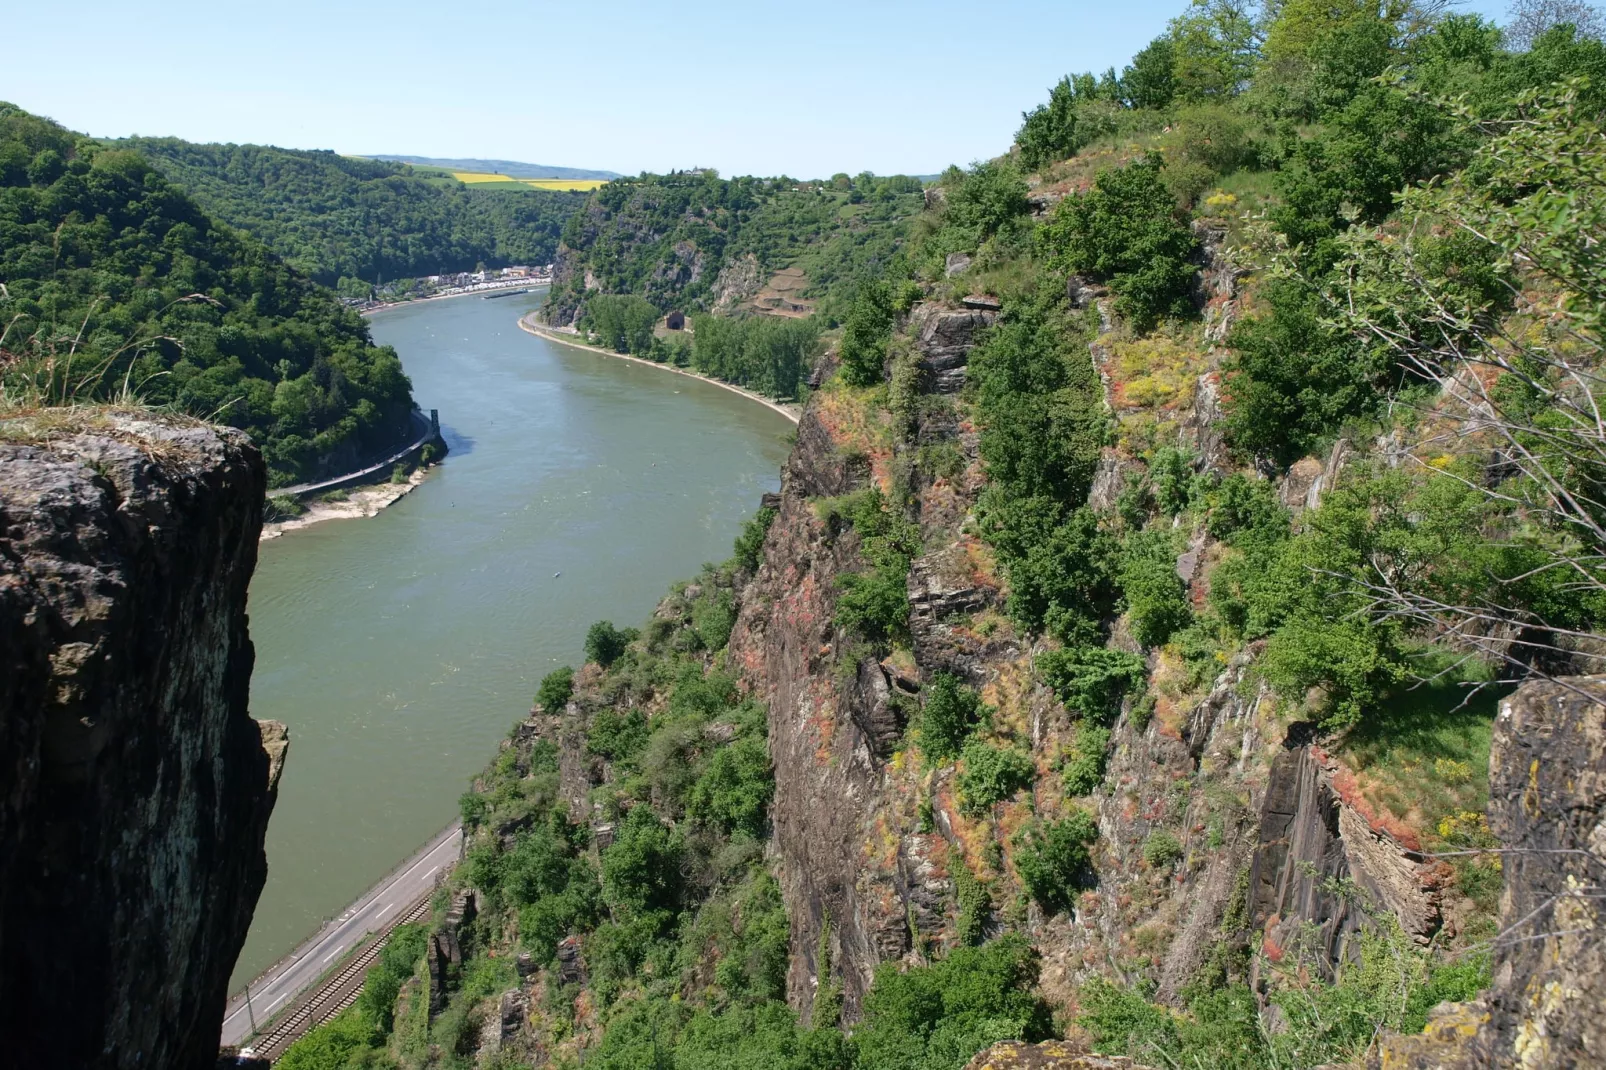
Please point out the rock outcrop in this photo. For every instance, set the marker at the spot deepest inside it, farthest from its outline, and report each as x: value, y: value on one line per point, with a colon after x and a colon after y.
x: 1547, y: 805
x: 137, y: 787
x: 945, y: 338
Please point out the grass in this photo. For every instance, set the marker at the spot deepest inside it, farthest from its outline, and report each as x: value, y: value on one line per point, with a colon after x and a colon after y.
x: 481, y: 178
x: 1424, y: 753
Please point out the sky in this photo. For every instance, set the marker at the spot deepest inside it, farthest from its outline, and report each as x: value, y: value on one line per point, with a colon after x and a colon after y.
x: 805, y: 89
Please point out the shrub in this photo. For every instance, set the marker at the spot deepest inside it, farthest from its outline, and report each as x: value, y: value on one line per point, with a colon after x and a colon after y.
x: 951, y: 710
x: 751, y: 541
x: 1083, y: 770
x: 940, y: 1015
x: 330, y: 1045
x: 377, y: 1003
x: 604, y: 642
x: 1290, y: 380
x: 1157, y: 601
x: 1127, y: 229
x: 1051, y: 858
x: 556, y: 689
x: 618, y: 737
x: 992, y: 774
x: 1161, y: 850
x: 641, y: 868
x: 734, y: 791
x: 863, y: 349
x: 1091, y: 680
x: 985, y: 200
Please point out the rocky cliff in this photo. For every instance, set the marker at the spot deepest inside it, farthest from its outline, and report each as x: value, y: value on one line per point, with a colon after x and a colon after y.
x: 137, y: 787
x: 1548, y: 807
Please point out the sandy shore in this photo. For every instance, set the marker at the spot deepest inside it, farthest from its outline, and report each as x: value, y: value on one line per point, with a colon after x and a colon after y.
x: 552, y: 334
x: 361, y: 502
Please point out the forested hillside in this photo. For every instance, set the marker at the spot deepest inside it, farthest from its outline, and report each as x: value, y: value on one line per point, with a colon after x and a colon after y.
x: 115, y: 285
x: 1119, y: 661
x: 334, y: 217
x: 744, y: 248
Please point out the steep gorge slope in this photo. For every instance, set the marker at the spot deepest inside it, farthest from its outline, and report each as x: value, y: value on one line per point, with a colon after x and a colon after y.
x: 1069, y: 639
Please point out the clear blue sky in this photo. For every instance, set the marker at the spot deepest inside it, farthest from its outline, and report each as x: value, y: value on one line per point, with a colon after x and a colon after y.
x: 750, y: 88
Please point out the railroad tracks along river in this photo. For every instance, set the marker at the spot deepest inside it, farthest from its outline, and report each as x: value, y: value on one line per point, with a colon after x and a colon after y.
x: 322, y: 1002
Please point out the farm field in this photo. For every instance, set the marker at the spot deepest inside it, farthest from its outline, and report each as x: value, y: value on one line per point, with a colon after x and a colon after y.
x: 481, y: 178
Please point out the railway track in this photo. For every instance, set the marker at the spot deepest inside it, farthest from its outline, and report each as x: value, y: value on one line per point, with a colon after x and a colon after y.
x: 329, y: 997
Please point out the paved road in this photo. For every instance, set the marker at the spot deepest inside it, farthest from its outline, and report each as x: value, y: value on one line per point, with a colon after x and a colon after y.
x: 311, y: 960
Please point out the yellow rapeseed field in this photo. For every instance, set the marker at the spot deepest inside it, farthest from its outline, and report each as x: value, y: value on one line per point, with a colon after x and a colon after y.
x: 475, y: 178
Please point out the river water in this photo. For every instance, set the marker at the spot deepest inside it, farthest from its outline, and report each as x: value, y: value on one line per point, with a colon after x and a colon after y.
x: 401, y: 648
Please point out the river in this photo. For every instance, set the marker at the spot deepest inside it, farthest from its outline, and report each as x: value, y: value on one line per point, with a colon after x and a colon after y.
x: 401, y: 648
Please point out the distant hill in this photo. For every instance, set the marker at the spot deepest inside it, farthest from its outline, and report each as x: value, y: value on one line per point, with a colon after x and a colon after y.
x: 511, y: 168
x: 333, y: 216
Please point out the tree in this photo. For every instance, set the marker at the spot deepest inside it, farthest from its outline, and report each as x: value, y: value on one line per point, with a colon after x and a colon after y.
x: 604, y: 642
x: 1127, y: 229
x: 863, y: 349
x: 1515, y: 349
x: 1215, y: 45
x: 1051, y: 858
x: 1531, y: 19
x: 1151, y: 81
x: 951, y: 710
x: 556, y: 687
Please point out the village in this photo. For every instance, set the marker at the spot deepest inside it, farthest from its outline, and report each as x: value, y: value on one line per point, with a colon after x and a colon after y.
x: 449, y: 285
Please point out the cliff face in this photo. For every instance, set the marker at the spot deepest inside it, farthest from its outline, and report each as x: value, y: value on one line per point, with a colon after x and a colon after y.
x: 1547, y: 804
x: 1264, y: 821
x: 137, y: 786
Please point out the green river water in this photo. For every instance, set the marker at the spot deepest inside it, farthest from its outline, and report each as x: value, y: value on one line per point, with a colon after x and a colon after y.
x: 401, y: 648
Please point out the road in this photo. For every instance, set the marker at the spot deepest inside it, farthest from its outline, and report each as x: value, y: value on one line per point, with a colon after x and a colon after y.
x: 371, y: 913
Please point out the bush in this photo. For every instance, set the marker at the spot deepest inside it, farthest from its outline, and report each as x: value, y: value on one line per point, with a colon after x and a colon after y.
x: 951, y: 710
x: 641, y: 868
x: 1091, y: 680
x: 556, y: 688
x: 1083, y: 770
x: 1291, y: 381
x: 1161, y: 850
x: 330, y: 1045
x: 936, y: 1017
x: 1127, y: 229
x: 992, y: 774
x: 734, y: 791
x: 876, y: 603
x: 985, y: 200
x: 1156, y: 600
x: 377, y: 1002
x: 604, y: 642
x: 863, y: 349
x: 618, y: 737
x: 1051, y: 858
x: 751, y: 541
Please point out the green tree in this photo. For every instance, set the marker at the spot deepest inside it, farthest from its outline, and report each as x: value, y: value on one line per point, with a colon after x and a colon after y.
x: 605, y: 643
x: 1127, y: 229
x: 1052, y: 858
x: 863, y: 349
x: 556, y: 688
x: 951, y: 710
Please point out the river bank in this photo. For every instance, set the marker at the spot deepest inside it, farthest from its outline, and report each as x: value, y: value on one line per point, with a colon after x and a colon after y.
x: 481, y: 291
x: 399, y: 649
x: 553, y: 334
x: 358, y: 503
